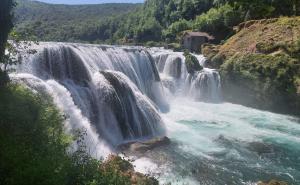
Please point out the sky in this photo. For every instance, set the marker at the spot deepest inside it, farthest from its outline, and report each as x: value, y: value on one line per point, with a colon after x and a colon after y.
x: 90, y: 1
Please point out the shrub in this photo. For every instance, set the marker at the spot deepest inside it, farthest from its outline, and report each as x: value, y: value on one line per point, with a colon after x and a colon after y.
x: 34, y: 146
x: 268, y: 81
x: 192, y: 63
x: 218, y: 21
x: 32, y: 139
x: 175, y: 28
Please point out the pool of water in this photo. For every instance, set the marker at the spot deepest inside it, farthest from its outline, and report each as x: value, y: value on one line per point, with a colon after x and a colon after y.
x: 225, y: 144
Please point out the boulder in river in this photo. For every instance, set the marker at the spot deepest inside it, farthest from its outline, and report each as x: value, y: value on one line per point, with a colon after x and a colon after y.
x: 142, y: 147
x: 273, y: 182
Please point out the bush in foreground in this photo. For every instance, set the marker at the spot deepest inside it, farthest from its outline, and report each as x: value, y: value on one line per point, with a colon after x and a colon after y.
x: 34, y: 146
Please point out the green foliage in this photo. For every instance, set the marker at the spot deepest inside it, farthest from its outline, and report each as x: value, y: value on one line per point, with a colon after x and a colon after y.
x: 256, y: 9
x: 6, y: 24
x: 269, y: 80
x: 34, y: 146
x: 111, y: 23
x: 192, y: 63
x: 130, y: 23
x: 176, y: 28
x: 218, y: 21
x: 150, y: 30
x: 32, y: 140
x: 280, y: 69
x: 68, y: 23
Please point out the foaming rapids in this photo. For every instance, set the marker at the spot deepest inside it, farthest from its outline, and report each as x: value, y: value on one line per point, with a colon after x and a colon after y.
x: 113, y: 93
x: 204, y: 85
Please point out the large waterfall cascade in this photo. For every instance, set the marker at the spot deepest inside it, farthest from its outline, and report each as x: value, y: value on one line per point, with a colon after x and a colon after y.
x: 119, y: 94
x: 114, y: 93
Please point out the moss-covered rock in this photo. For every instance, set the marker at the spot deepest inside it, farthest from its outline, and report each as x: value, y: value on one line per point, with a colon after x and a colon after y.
x: 260, y: 64
x: 192, y: 63
x: 262, y: 81
x: 213, y: 58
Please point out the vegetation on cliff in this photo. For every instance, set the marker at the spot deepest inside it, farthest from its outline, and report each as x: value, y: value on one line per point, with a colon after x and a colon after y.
x: 260, y: 64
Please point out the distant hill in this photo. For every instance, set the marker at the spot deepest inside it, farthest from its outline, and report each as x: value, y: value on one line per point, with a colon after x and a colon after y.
x: 65, y: 22
x: 155, y: 20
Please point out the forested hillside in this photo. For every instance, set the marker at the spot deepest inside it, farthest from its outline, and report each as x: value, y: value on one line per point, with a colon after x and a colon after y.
x: 156, y: 20
x: 65, y: 22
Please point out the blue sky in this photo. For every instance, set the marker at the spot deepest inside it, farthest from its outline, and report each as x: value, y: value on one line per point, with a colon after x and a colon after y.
x: 90, y: 1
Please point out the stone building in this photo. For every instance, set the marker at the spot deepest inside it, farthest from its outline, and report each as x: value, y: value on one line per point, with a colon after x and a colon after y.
x: 192, y: 41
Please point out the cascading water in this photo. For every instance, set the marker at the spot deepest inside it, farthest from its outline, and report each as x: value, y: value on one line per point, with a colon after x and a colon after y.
x: 121, y: 94
x: 112, y: 92
x: 203, y: 85
x: 218, y: 143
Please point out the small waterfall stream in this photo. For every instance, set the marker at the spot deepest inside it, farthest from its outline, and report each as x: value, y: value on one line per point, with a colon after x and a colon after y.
x: 204, y: 85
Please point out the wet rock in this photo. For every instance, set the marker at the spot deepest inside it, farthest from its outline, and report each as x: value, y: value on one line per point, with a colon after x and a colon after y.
x: 273, y: 182
x: 142, y: 147
x: 260, y: 148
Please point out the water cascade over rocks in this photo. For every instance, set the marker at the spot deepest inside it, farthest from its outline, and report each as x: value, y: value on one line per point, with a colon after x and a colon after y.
x: 131, y: 97
x: 114, y: 93
x: 203, y: 85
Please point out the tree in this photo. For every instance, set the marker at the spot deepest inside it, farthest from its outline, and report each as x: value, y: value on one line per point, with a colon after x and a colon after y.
x: 6, y: 25
x: 201, y: 6
x: 175, y: 28
x: 187, y: 10
x: 254, y: 9
x: 296, y: 7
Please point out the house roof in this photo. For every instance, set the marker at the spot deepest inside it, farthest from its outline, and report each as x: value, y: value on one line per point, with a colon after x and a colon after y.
x: 199, y: 34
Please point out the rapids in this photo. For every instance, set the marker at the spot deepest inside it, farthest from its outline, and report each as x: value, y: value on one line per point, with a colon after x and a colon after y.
x: 118, y: 94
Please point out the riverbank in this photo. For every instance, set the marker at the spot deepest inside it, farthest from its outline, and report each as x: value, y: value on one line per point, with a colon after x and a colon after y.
x: 260, y: 64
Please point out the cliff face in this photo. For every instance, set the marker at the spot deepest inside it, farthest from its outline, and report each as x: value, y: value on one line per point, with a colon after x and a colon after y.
x: 260, y: 64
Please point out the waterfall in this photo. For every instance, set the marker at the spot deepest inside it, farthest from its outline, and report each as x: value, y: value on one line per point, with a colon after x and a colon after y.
x: 113, y: 93
x: 203, y: 86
